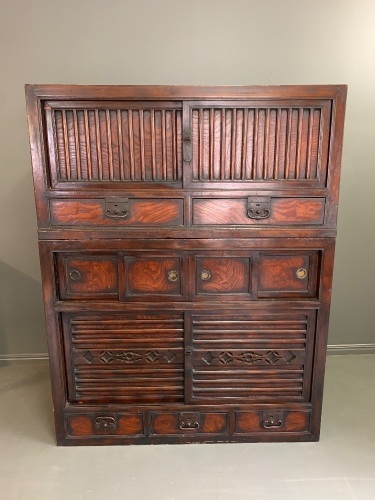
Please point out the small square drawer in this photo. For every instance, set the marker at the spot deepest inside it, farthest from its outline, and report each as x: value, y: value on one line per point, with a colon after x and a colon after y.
x: 188, y: 423
x: 293, y: 274
x: 88, y: 276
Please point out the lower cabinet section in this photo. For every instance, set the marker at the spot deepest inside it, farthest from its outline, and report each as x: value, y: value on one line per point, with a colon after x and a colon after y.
x: 189, y: 426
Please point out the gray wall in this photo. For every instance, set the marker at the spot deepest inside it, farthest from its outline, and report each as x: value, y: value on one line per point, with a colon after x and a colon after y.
x: 179, y: 42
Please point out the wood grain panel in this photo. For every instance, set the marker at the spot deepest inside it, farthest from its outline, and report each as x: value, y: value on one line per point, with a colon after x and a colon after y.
x: 172, y: 423
x: 259, y: 142
x: 227, y: 275
x: 291, y: 421
x: 88, y: 276
x: 147, y: 276
x: 233, y: 212
x: 283, y: 275
x: 91, y: 213
x: 89, y: 425
x: 125, y: 357
x: 250, y: 358
x: 96, y: 141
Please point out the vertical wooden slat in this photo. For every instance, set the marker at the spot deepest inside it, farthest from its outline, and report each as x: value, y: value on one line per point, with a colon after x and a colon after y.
x: 266, y: 144
x: 164, y: 145
x: 299, y: 143
x: 98, y: 145
x: 200, y: 140
x: 174, y: 148
x: 222, y: 145
x: 244, y: 143
x: 131, y: 143
x: 77, y: 145
x: 88, y: 148
x: 255, y: 143
x: 212, y: 137
x: 120, y: 145
x: 153, y: 145
x: 142, y: 140
x: 109, y: 144
x: 277, y: 147
x: 66, y: 143
x: 309, y: 146
x: 233, y: 143
x: 288, y: 142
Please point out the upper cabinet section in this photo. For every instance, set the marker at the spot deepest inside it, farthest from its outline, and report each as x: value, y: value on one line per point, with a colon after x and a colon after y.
x: 95, y: 142
x: 282, y: 142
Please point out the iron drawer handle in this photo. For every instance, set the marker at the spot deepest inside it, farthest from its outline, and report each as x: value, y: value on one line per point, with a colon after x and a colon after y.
x: 253, y: 213
x: 117, y: 214
x: 173, y: 275
x: 301, y: 273
x: 271, y: 423
x: 75, y: 275
x: 205, y: 275
x: 189, y: 426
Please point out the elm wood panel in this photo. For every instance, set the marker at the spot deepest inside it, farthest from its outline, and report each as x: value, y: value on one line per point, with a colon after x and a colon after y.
x: 91, y: 213
x: 255, y: 421
x: 222, y: 275
x: 88, y: 276
x: 98, y: 425
x: 252, y: 141
x: 233, y: 211
x: 189, y: 422
x: 148, y: 276
x: 91, y: 142
x: 124, y: 358
x: 290, y: 275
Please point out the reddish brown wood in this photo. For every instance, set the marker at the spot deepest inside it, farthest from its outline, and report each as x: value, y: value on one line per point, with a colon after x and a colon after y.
x: 173, y: 315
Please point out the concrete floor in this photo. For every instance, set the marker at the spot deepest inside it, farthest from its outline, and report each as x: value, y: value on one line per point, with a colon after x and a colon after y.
x: 341, y: 466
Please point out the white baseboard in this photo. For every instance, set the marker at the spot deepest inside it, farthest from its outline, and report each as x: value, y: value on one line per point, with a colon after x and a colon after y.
x: 335, y: 349
x: 351, y: 349
x: 23, y: 357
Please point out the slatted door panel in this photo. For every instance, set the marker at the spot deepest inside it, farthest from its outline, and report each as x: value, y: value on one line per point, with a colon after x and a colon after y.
x: 282, y: 142
x: 251, y: 357
x: 124, y: 358
x: 93, y: 142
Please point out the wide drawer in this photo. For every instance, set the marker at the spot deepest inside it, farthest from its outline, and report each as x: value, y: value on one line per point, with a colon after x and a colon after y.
x: 173, y: 423
x: 274, y: 420
x: 117, y: 212
x: 98, y: 424
x: 250, y: 211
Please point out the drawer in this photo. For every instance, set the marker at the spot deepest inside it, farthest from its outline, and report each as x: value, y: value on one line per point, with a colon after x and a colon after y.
x: 223, y: 275
x: 293, y: 274
x: 117, y: 212
x: 272, y: 211
x: 131, y: 277
x: 189, y: 423
x: 105, y: 425
x: 88, y: 277
x: 273, y: 420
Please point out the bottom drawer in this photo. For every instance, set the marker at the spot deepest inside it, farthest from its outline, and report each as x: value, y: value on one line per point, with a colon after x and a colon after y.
x: 247, y: 422
x: 188, y: 422
x: 105, y: 425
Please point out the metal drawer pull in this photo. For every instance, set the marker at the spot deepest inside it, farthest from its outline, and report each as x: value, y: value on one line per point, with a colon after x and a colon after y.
x: 173, y: 275
x: 117, y: 207
x: 205, y: 275
x: 117, y: 214
x: 188, y: 421
x: 75, y: 275
x: 272, y: 422
x: 301, y: 273
x: 258, y: 207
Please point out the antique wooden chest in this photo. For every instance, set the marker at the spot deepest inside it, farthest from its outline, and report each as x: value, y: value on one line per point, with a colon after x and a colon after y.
x: 186, y: 241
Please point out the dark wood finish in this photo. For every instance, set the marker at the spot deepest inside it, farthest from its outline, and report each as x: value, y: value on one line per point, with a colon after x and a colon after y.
x: 186, y: 243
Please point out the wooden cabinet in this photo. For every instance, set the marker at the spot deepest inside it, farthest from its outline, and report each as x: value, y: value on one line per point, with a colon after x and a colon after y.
x: 186, y: 238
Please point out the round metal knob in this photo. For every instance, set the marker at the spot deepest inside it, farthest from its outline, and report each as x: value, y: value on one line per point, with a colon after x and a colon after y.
x: 173, y: 275
x: 75, y: 275
x: 301, y: 273
x: 205, y: 275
